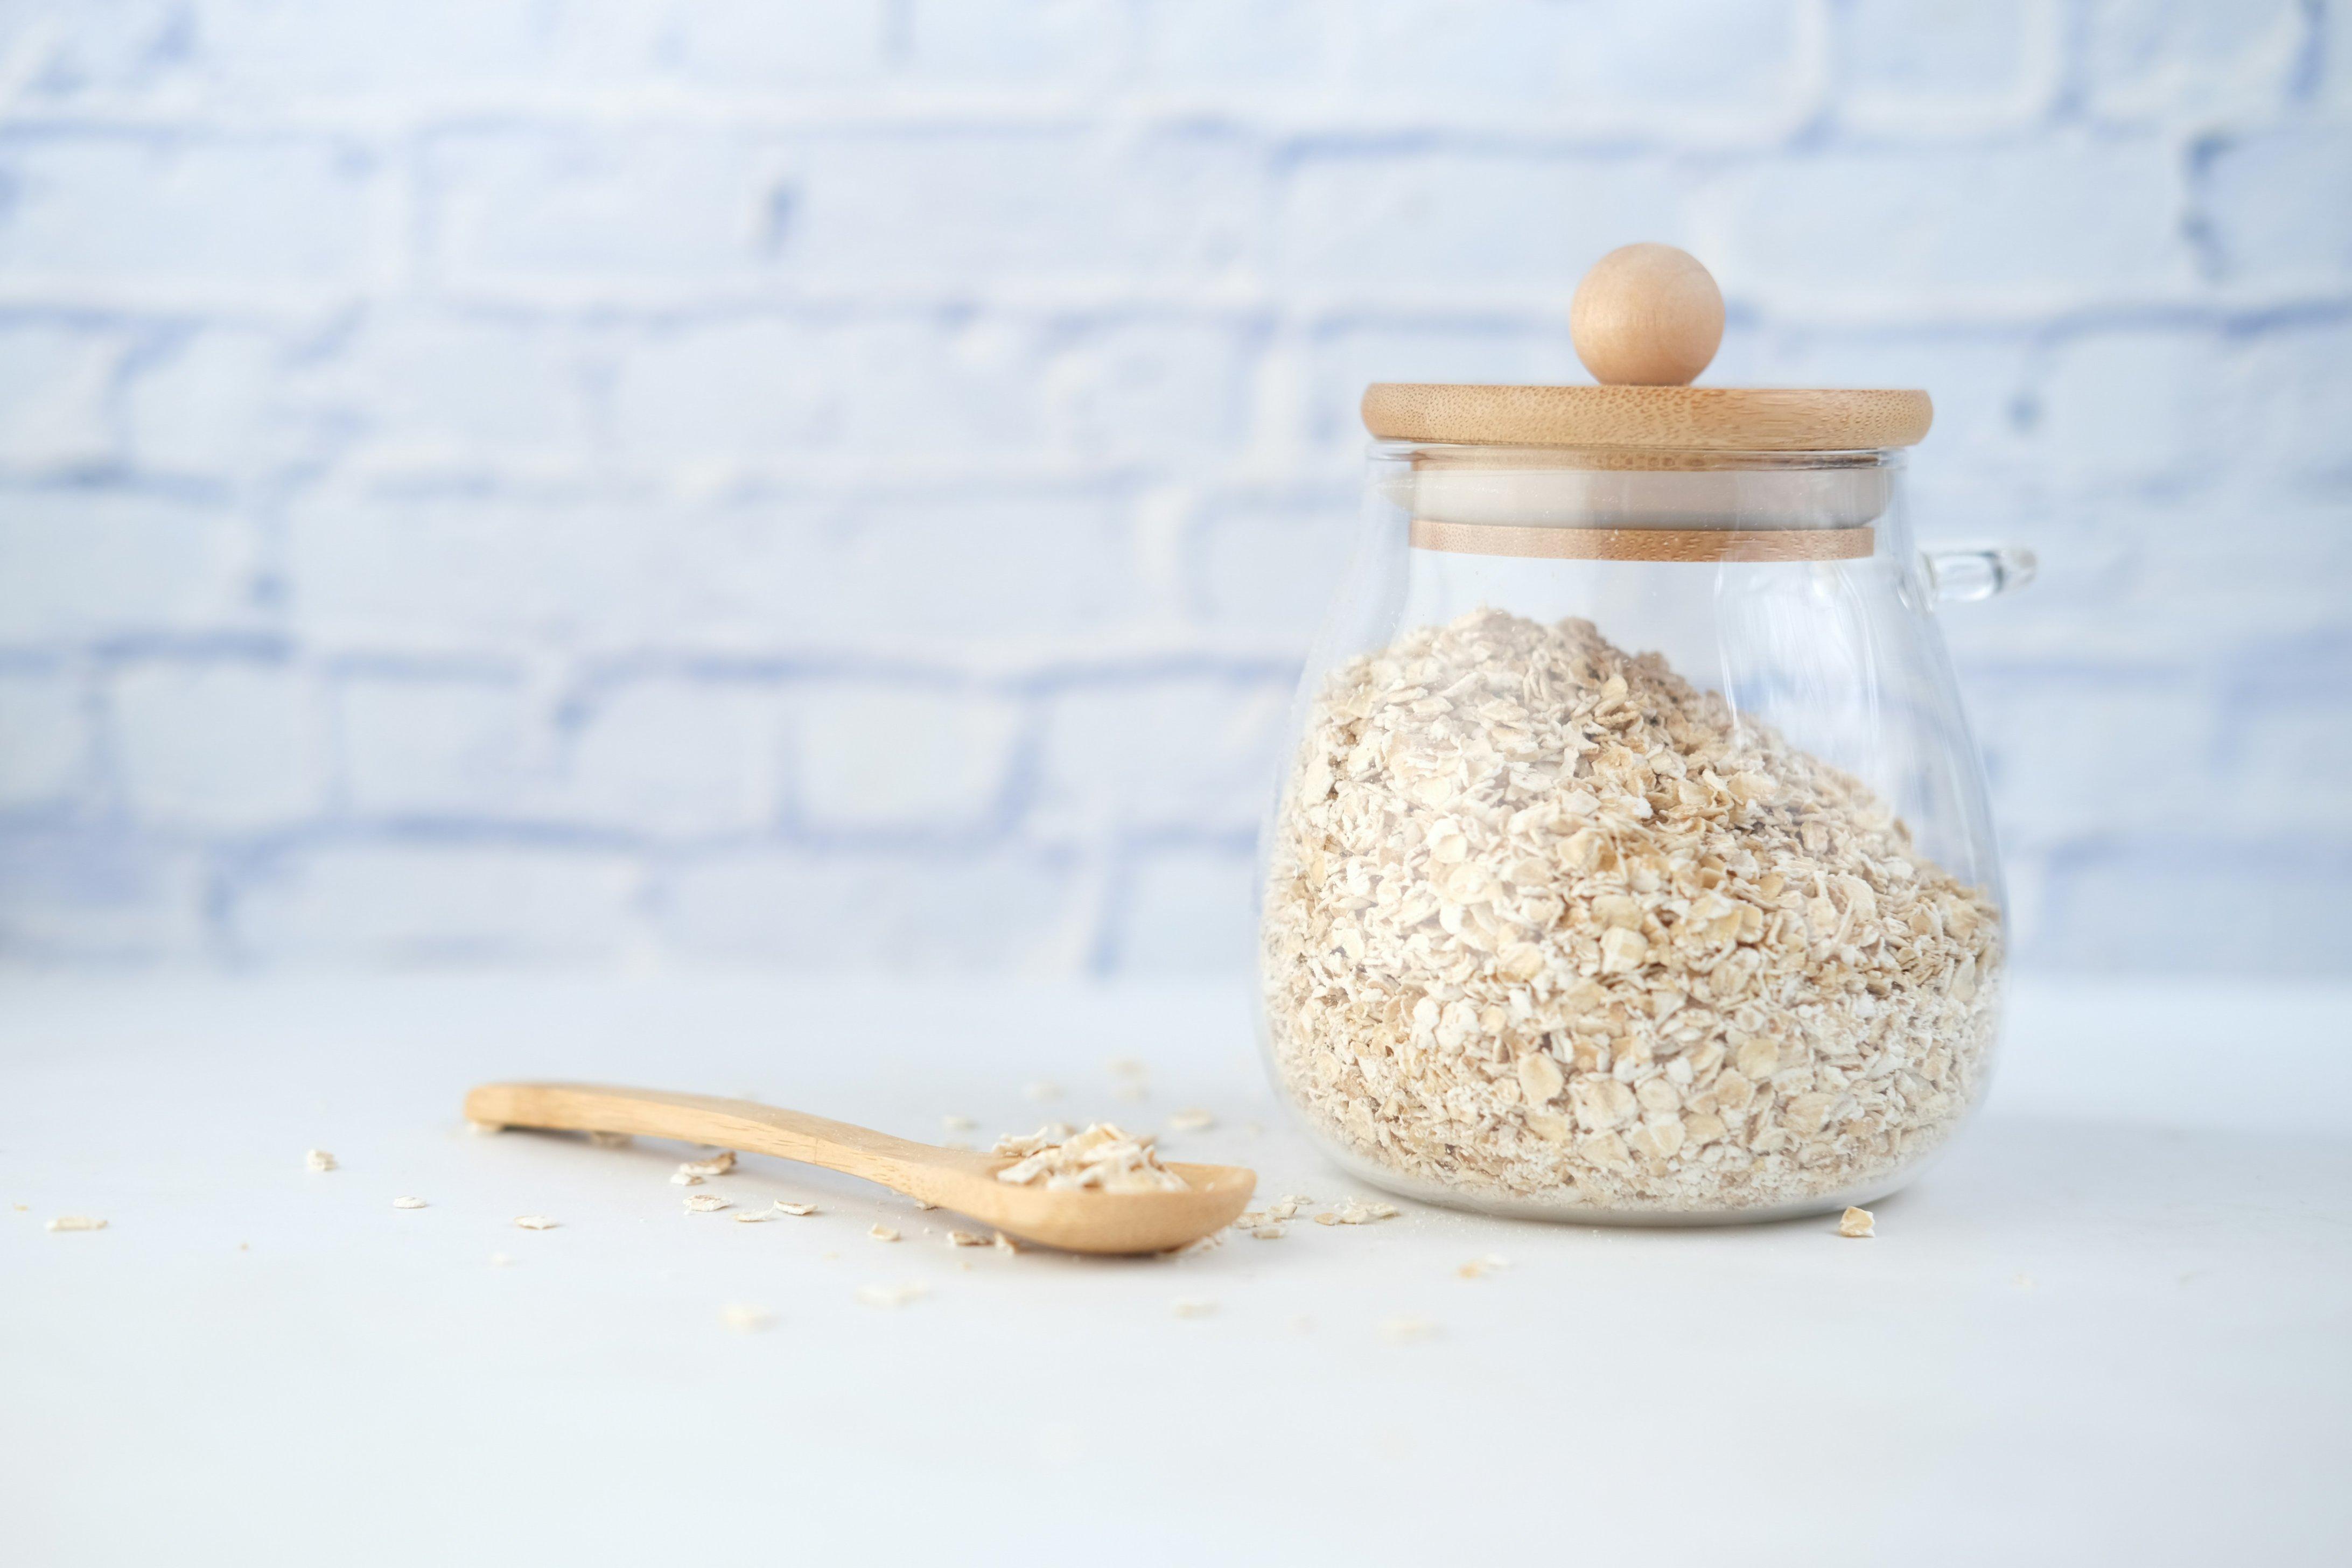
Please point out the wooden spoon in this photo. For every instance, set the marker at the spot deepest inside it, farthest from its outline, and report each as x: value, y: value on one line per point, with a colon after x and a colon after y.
x: 1078, y: 1219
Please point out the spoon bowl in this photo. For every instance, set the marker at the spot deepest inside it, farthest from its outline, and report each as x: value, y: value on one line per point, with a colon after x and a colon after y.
x: 1076, y: 1219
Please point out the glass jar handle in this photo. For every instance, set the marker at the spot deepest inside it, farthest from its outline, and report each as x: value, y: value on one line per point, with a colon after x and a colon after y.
x: 1965, y: 576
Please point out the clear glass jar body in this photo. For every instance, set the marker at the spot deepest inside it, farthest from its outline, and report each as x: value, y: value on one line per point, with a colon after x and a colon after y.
x: 1633, y: 862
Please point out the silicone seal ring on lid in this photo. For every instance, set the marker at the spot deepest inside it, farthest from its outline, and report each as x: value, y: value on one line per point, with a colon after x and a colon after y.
x: 1693, y: 544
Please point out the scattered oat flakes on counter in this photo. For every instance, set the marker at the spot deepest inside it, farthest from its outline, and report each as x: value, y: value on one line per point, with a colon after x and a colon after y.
x: 76, y: 1222
x: 534, y: 1222
x: 922, y: 1202
x: 1006, y: 1244
x: 1268, y: 1232
x: 705, y: 1203
x: 1104, y: 1157
x: 1479, y: 1267
x: 1190, y: 1308
x: 966, y: 1238
x: 1408, y: 1330
x: 718, y: 1164
x: 1350, y: 1212
x: 744, y: 1319
x: 318, y: 1160
x: 611, y: 1140
x: 484, y: 1129
x: 754, y: 1216
x: 798, y: 1211
x: 882, y: 1233
x: 681, y: 1179
x: 889, y: 1295
x: 1194, y: 1120
x: 1857, y: 1223
x: 408, y: 1202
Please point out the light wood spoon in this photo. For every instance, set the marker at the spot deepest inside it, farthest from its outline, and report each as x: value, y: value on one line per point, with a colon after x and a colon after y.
x: 1078, y: 1220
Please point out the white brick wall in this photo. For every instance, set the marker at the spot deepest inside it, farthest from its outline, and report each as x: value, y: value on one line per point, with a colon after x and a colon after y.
x: 848, y: 484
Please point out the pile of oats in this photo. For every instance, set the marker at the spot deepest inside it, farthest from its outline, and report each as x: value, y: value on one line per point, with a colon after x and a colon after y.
x: 1547, y: 927
x: 1103, y: 1156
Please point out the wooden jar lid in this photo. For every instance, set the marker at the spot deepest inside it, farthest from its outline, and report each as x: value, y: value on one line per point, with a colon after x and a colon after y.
x: 1676, y: 418
x: 1646, y: 320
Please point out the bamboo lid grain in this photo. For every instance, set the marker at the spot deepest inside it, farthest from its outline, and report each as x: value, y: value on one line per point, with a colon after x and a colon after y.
x: 1646, y: 320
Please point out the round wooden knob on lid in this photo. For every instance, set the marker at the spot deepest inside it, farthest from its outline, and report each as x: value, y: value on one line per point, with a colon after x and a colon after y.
x: 1647, y: 315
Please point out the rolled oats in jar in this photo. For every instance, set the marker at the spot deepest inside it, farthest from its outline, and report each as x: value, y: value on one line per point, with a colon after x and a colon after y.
x: 1633, y: 863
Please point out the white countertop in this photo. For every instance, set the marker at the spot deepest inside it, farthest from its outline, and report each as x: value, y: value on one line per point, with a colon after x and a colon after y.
x: 2113, y: 1324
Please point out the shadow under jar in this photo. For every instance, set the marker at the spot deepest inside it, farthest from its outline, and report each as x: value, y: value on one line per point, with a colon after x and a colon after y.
x: 1633, y: 863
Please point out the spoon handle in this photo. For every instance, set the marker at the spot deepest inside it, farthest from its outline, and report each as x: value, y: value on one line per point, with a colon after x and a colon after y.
x: 704, y: 1119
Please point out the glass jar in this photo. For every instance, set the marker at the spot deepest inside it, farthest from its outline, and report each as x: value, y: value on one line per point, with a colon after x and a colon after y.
x: 1633, y: 863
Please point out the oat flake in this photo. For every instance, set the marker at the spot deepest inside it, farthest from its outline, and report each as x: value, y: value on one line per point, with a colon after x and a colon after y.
x: 798, y: 1211
x: 408, y: 1202
x: 705, y: 1203
x: 318, y: 1160
x: 744, y: 1319
x: 1857, y: 1224
x: 76, y: 1222
x: 889, y: 1295
x: 882, y: 1233
x: 534, y: 1222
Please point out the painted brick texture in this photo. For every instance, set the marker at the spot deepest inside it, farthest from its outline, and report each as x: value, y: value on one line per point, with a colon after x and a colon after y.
x: 851, y: 484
